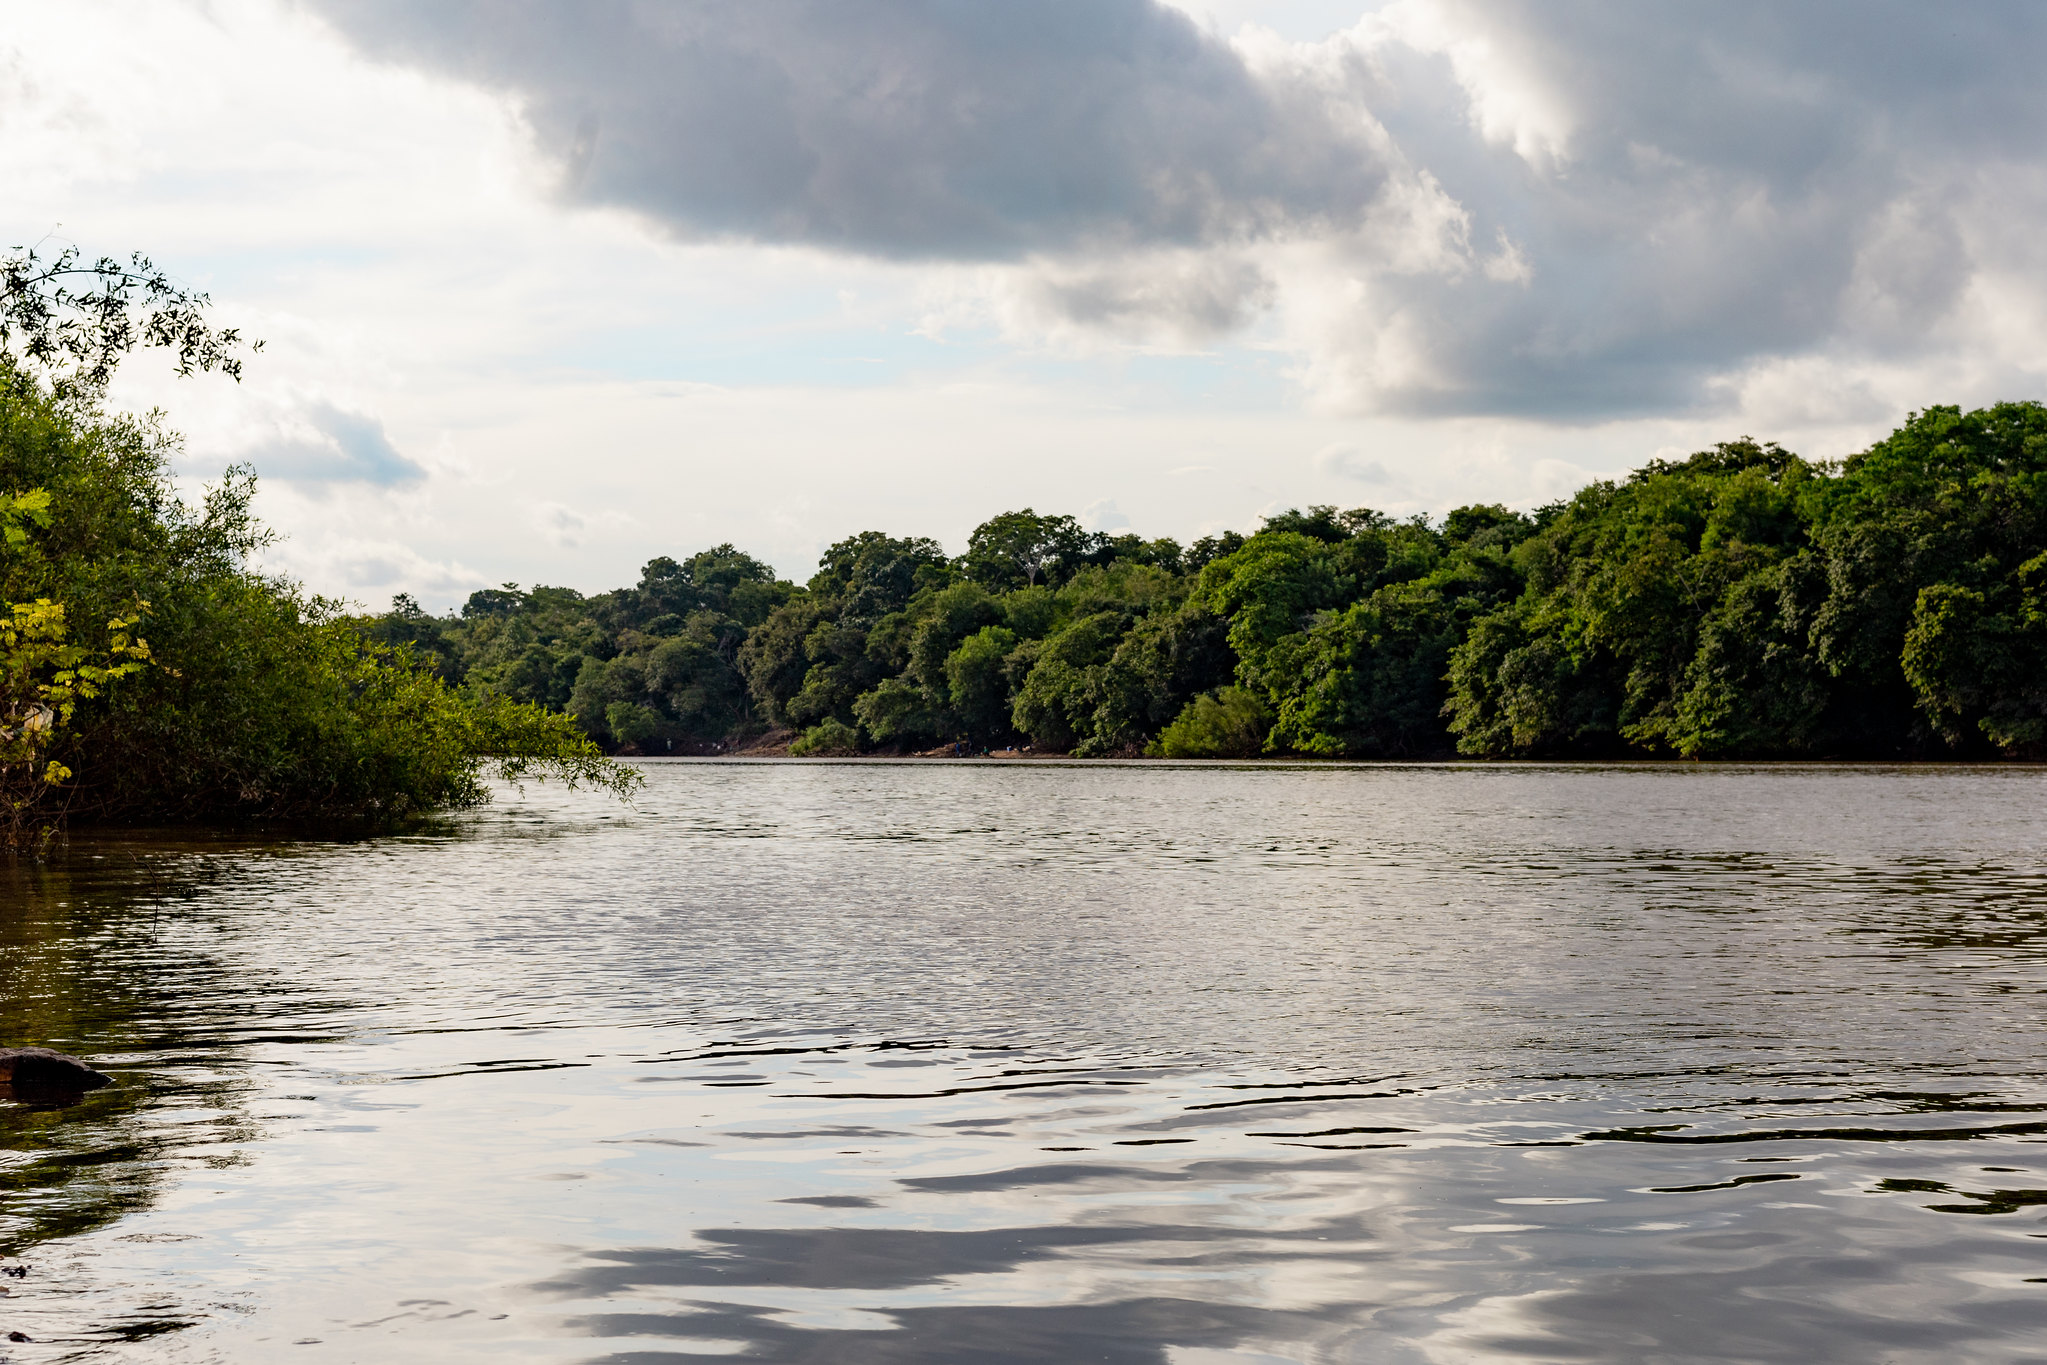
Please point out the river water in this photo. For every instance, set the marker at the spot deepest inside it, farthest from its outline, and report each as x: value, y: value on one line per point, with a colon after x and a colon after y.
x: 882, y: 1063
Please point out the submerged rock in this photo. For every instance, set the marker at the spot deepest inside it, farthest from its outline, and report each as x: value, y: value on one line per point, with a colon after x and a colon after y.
x: 37, y: 1074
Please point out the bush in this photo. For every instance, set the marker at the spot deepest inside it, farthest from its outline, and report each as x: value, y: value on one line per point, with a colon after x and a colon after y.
x: 1229, y: 723
x: 256, y: 700
x: 827, y: 738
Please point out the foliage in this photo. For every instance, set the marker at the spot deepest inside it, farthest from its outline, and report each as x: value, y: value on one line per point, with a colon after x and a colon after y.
x: 1228, y: 723
x: 260, y: 701
x: 43, y: 678
x: 1745, y: 603
x: 1742, y: 602
x: 250, y: 699
x: 71, y: 323
x: 1652, y: 620
x: 1017, y: 549
x: 829, y: 737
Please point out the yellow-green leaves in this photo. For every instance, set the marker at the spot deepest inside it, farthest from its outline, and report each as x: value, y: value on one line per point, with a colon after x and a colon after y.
x: 43, y: 677
x: 19, y: 509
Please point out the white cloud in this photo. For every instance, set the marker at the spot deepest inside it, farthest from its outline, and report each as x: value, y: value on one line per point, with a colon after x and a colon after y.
x: 570, y: 529
x: 1569, y: 211
x: 1104, y: 515
x: 563, y: 525
x: 1514, y: 97
x: 319, y: 442
x: 1486, y: 249
x: 1345, y: 460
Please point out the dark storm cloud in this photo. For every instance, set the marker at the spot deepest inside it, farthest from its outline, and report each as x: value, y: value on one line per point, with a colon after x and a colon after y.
x: 1559, y: 209
x: 949, y: 128
x: 1693, y: 188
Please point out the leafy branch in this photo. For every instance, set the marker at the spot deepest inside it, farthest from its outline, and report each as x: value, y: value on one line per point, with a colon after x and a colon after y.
x: 74, y: 321
x: 43, y: 677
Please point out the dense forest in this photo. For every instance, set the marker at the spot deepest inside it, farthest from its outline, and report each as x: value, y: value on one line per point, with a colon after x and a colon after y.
x: 1743, y: 603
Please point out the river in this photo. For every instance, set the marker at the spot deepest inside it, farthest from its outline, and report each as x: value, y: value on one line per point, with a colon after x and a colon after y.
x: 934, y: 1062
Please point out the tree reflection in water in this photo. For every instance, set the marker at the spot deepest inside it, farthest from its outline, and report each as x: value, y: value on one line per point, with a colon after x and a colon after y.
x: 86, y: 971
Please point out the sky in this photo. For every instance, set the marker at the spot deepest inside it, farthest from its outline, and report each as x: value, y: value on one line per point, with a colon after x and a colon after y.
x: 551, y: 287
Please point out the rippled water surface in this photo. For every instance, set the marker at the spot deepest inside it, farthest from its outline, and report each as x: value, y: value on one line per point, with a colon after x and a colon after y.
x: 932, y: 1062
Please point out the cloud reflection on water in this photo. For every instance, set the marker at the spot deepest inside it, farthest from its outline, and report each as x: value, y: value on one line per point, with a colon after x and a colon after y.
x: 893, y: 1064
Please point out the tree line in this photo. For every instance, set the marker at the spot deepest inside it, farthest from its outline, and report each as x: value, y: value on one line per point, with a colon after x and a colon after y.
x: 1742, y: 603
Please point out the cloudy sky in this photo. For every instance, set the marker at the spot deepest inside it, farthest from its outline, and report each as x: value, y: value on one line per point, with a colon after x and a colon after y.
x: 553, y: 286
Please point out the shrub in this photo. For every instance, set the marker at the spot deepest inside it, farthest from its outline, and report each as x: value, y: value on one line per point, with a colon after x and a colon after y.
x: 827, y: 738
x: 1229, y: 723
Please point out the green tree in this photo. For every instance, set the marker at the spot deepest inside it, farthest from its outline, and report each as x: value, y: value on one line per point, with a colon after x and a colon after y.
x: 1978, y: 659
x: 1950, y: 505
x: 1655, y: 618
x: 1741, y: 602
x: 1228, y: 723
x: 1023, y: 549
x: 261, y: 701
x: 977, y: 684
x: 774, y: 661
x: 898, y: 712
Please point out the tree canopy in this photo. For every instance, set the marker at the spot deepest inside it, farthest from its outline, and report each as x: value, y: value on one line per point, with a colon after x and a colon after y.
x: 1741, y: 603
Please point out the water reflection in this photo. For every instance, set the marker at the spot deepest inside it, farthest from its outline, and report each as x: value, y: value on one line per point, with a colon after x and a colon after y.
x: 906, y: 1064
x: 1342, y: 1256
x: 88, y: 971
x: 73, y: 1163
